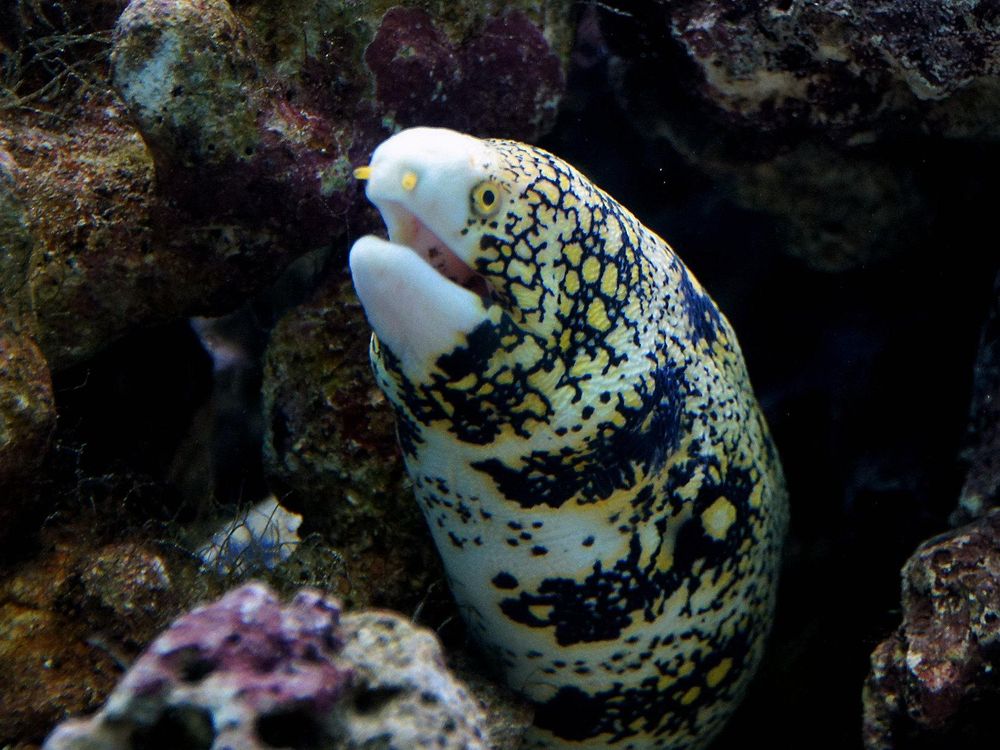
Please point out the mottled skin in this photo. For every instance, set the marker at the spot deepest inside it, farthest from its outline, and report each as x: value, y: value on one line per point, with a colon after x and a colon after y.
x: 584, y: 441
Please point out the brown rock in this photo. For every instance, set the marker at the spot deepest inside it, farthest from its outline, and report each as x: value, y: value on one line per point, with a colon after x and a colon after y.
x: 942, y: 660
x: 27, y: 412
x: 330, y: 436
x: 220, y: 144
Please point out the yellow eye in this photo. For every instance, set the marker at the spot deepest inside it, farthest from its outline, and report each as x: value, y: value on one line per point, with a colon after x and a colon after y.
x: 486, y: 198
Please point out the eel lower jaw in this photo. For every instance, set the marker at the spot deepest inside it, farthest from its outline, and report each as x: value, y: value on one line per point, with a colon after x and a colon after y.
x: 408, y: 230
x: 417, y: 312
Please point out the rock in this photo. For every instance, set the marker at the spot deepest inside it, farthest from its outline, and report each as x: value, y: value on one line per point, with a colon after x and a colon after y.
x: 331, y: 439
x: 484, y: 85
x: 927, y: 679
x: 127, y: 591
x: 47, y: 675
x: 249, y: 672
x: 27, y: 407
x: 190, y: 80
x: 52, y: 667
x: 508, y: 716
x: 27, y: 413
x: 787, y: 103
x: 227, y: 149
x: 403, y: 689
x: 16, y: 243
x: 843, y: 66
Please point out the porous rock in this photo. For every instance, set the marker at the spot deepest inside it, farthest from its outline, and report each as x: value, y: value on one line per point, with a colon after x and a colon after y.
x: 486, y: 84
x: 927, y: 679
x: 329, y: 437
x: 787, y: 103
x: 50, y: 668
x: 217, y: 144
x: 190, y: 79
x: 841, y: 65
x: 249, y: 672
x: 27, y: 408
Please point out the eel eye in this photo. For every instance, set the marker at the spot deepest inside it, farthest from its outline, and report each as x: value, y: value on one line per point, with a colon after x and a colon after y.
x: 486, y: 198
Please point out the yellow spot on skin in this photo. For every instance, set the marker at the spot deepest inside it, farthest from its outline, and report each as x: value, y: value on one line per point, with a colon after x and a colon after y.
x: 631, y: 398
x: 362, y: 173
x: 718, y: 517
x: 549, y: 189
x: 591, y: 269
x: 666, y: 681
x: 572, y: 283
x: 409, y: 181
x: 609, y: 281
x: 690, y: 696
x: 465, y: 383
x: 531, y: 404
x: 717, y: 673
x: 518, y: 269
x: 573, y: 253
x: 664, y: 559
x: 597, y: 315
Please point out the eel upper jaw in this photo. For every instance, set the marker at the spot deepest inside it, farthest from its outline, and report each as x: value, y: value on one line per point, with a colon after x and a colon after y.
x: 420, y: 298
x: 405, y: 228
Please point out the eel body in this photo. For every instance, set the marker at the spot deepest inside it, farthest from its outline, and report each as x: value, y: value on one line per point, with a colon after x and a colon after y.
x: 582, y: 437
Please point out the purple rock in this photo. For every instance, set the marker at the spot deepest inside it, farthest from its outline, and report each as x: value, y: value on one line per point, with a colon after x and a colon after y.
x: 252, y: 673
x: 233, y: 665
x: 506, y: 80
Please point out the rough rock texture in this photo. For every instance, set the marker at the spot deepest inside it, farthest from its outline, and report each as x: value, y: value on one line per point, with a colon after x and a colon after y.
x: 27, y: 408
x: 844, y: 65
x: 330, y: 438
x: 981, y: 490
x: 809, y: 98
x: 191, y: 81
x: 484, y: 84
x: 16, y: 243
x: 403, y: 689
x: 127, y: 590
x: 941, y: 665
x: 508, y: 716
x: 249, y: 672
x: 225, y: 147
x: 68, y: 620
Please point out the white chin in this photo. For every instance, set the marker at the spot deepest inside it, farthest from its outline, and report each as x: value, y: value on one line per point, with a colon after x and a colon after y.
x: 415, y: 311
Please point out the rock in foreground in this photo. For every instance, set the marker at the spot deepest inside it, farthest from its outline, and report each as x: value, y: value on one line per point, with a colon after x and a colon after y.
x: 249, y: 672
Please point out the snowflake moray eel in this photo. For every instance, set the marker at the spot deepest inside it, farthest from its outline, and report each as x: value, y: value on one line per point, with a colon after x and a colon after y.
x: 582, y: 437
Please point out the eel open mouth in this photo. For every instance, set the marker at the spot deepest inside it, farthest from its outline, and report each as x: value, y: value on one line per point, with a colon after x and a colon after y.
x: 406, y: 229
